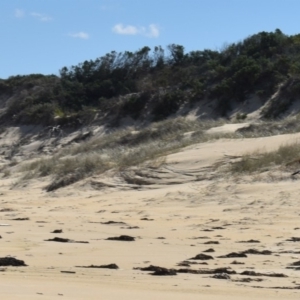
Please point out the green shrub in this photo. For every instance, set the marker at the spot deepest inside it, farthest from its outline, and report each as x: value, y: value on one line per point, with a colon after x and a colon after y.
x: 168, y: 104
x: 37, y: 114
x: 241, y: 116
x: 135, y: 104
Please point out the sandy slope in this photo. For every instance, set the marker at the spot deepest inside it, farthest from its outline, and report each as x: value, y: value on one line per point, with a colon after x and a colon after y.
x: 183, y: 214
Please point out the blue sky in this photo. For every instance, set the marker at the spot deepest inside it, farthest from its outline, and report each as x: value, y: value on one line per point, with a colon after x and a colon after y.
x: 42, y: 36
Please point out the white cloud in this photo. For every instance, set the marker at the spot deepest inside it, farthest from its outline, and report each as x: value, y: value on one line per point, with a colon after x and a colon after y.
x: 151, y: 31
x: 80, y: 35
x: 41, y: 17
x: 126, y: 30
x: 19, y: 13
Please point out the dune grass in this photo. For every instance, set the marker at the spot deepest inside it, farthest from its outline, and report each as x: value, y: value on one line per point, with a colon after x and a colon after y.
x: 117, y: 150
x: 284, y: 156
x: 121, y: 149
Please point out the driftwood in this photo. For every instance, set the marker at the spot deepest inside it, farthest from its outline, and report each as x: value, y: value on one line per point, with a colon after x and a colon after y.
x: 295, y: 173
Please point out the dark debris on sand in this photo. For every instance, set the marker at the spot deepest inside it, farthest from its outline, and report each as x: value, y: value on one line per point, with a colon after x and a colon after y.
x: 244, y: 253
x: 247, y: 279
x: 125, y: 238
x: 253, y: 273
x: 202, y: 256
x: 63, y: 240
x: 11, y: 261
x: 219, y: 273
x: 221, y: 276
x: 131, y: 227
x: 164, y: 272
x: 211, y: 243
x: 294, y: 239
x: 6, y: 210
x: 210, y: 250
x: 187, y: 263
x: 113, y: 223
x: 57, y: 231
x: 208, y: 271
x: 249, y: 241
x: 257, y: 252
x: 158, y: 271
x: 233, y: 255
x: 237, y: 263
x: 109, y: 266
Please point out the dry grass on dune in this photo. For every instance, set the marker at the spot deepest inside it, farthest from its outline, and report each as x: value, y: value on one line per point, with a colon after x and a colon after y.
x: 118, y: 150
x: 271, y: 127
x: 125, y: 148
x: 285, y: 156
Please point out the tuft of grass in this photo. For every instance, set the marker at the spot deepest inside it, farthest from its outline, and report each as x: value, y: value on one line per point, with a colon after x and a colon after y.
x: 285, y: 155
x: 40, y: 168
x: 270, y: 128
x: 6, y: 173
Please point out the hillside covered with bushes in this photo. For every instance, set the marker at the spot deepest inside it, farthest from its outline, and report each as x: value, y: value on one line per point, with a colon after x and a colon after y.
x: 158, y: 82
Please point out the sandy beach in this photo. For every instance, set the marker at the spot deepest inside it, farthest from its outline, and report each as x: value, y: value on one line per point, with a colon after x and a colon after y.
x: 182, y: 214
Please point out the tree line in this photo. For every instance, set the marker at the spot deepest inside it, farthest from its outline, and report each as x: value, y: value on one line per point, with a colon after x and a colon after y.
x: 255, y: 65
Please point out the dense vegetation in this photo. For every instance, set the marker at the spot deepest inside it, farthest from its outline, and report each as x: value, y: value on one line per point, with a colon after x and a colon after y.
x: 160, y: 80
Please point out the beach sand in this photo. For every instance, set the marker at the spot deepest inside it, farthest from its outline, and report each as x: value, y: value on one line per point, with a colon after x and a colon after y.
x: 182, y: 212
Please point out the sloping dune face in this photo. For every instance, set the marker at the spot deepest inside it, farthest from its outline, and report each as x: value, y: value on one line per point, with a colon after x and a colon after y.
x: 183, y: 230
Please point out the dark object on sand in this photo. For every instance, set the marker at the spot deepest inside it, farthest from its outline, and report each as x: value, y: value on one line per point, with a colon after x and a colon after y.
x: 253, y: 273
x: 294, y: 239
x: 11, y: 261
x: 57, y: 231
x: 159, y: 271
x: 110, y: 266
x: 125, y: 238
x: 237, y: 263
x: 249, y: 241
x: 212, y: 243
x: 207, y: 271
x: 68, y: 272
x: 209, y: 250
x: 221, y: 276
x: 164, y: 272
x: 233, y: 255
x: 254, y: 251
x: 202, y: 256
x: 296, y: 263
x: 113, y: 222
x: 62, y: 240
